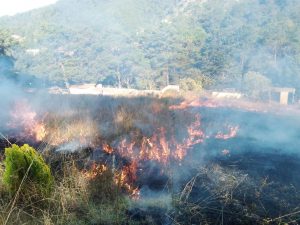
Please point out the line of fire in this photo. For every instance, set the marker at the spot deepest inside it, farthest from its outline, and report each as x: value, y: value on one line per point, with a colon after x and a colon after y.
x: 196, y: 146
x: 150, y: 112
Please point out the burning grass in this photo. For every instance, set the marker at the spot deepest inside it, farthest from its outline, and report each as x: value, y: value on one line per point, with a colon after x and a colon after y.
x: 156, y: 161
x: 76, y: 199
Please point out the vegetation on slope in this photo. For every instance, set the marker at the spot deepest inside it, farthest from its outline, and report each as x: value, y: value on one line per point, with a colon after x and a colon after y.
x: 148, y: 44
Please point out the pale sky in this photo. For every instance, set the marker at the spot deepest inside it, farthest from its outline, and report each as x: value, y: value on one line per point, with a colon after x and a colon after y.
x: 12, y: 7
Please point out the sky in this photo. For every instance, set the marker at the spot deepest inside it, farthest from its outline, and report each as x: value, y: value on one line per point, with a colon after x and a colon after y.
x: 12, y: 7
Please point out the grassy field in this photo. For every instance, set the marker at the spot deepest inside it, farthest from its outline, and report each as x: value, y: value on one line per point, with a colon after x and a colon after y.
x: 143, y: 161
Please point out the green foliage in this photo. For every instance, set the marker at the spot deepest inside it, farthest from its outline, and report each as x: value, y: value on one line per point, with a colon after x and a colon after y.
x: 113, y: 42
x: 24, y: 163
x: 189, y: 84
x: 6, y: 59
x: 6, y: 41
x: 255, y: 85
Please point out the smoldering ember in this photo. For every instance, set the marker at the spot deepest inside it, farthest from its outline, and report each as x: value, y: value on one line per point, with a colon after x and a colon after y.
x: 148, y: 112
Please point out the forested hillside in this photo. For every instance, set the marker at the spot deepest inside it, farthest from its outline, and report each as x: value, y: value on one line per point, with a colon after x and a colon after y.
x: 150, y: 43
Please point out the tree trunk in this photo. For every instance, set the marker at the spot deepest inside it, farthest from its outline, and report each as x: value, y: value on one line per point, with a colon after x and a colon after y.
x: 167, y: 76
x: 119, y: 77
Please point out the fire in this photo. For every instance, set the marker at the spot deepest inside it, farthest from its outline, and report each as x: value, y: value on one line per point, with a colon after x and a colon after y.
x: 195, y: 136
x: 23, y: 118
x: 124, y: 178
x: 232, y: 133
x: 162, y: 146
x: 225, y: 152
x: 157, y: 147
x: 107, y: 148
x: 50, y: 128
x: 195, y: 103
x: 40, y: 132
x: 95, y: 170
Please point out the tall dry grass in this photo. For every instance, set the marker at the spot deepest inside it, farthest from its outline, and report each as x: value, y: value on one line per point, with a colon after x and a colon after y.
x: 75, y: 200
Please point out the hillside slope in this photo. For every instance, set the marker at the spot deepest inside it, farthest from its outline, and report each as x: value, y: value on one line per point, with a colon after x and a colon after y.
x: 149, y: 43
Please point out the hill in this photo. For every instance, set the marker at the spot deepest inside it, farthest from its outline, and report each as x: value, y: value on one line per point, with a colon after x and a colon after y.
x: 149, y: 43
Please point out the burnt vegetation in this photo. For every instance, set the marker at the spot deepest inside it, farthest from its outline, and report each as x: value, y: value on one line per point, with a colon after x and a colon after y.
x: 105, y: 176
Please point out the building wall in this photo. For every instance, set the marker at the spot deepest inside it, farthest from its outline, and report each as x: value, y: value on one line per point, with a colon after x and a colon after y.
x: 284, y: 97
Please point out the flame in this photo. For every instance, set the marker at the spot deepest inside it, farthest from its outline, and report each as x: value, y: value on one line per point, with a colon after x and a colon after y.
x: 162, y: 146
x: 124, y: 178
x: 157, y: 147
x: 231, y: 134
x: 95, y: 170
x: 40, y: 131
x: 225, y: 152
x: 127, y: 177
x: 195, y: 103
x: 195, y: 136
x: 107, y: 148
x: 23, y: 118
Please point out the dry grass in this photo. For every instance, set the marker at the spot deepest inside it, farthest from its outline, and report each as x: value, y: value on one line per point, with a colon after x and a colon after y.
x: 76, y: 199
x: 214, y: 195
x: 220, y: 195
x: 60, y: 130
x: 72, y: 202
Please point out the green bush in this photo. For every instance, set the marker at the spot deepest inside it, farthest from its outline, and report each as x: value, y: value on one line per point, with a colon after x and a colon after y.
x: 189, y: 84
x: 25, y: 163
x: 255, y: 85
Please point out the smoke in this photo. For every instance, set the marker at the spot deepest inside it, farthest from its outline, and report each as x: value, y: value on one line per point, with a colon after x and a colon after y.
x: 6, y: 65
x: 71, y: 147
x: 16, y: 88
x: 130, y: 124
x: 281, y: 69
x: 9, y: 90
x: 257, y: 131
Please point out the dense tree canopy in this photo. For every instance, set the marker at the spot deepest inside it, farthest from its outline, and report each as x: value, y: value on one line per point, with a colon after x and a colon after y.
x: 149, y: 43
x: 6, y: 61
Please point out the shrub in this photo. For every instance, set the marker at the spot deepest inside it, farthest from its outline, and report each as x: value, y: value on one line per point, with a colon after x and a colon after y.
x: 189, y: 84
x: 24, y: 163
x: 255, y: 85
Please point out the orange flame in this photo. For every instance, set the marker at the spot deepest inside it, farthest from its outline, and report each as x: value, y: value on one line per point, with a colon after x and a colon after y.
x: 126, y: 178
x: 162, y: 146
x: 232, y: 133
x: 157, y: 147
x: 25, y: 119
x: 96, y: 169
x: 107, y: 148
x: 195, y: 103
x: 123, y: 178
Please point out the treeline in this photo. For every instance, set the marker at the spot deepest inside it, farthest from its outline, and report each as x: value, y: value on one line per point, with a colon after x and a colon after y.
x: 149, y: 43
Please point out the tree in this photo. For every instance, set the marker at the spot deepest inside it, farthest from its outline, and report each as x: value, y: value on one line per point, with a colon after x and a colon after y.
x: 6, y: 59
x: 189, y: 84
x: 222, y: 40
x: 26, y: 170
x: 255, y: 85
x: 6, y: 41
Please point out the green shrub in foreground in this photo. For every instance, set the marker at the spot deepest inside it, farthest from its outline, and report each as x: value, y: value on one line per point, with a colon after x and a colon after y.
x: 38, y: 180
